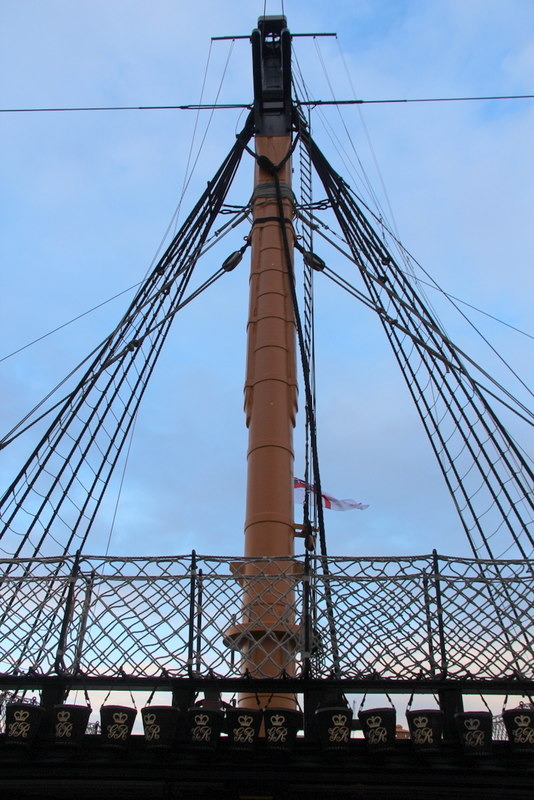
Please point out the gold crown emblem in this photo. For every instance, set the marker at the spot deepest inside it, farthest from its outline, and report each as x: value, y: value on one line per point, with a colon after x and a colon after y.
x: 420, y: 722
x: 277, y: 720
x: 21, y: 716
x: 339, y: 720
x: 245, y: 721
x: 374, y: 722
x: 522, y: 721
x: 201, y: 719
x: 472, y: 724
x: 63, y: 716
x: 149, y: 719
x: 120, y: 717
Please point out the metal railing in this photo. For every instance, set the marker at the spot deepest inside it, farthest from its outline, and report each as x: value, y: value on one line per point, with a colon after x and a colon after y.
x: 420, y: 617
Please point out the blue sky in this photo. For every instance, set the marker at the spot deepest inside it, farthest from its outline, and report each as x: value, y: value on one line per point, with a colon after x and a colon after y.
x: 86, y: 199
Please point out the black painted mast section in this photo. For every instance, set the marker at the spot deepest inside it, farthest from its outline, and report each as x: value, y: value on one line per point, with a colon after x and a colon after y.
x: 271, y: 64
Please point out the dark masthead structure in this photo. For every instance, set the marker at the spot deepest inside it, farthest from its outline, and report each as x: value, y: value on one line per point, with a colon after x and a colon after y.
x: 271, y: 63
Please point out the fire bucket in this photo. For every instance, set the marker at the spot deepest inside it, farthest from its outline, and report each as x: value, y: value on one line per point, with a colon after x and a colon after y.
x: 69, y: 723
x: 334, y: 726
x: 426, y: 729
x: 475, y: 732
x: 281, y: 728
x: 23, y: 721
x: 203, y: 727
x: 519, y: 723
x: 243, y: 726
x: 160, y: 724
x: 378, y: 726
x: 116, y: 723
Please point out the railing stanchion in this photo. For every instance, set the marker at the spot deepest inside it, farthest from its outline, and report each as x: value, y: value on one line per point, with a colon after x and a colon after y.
x: 192, y: 587
x: 59, y: 664
x: 428, y: 616
x: 439, y: 609
x: 198, y: 648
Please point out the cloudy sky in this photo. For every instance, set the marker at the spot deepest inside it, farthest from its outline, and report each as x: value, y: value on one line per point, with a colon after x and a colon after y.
x: 87, y: 198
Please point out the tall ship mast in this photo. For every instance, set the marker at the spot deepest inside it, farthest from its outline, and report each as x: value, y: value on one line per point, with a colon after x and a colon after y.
x: 271, y: 377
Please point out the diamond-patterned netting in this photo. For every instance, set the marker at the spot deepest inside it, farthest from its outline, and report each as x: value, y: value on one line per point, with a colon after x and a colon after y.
x: 409, y: 617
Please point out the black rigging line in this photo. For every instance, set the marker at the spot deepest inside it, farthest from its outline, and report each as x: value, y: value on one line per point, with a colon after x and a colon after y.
x: 96, y: 407
x: 369, y: 142
x: 293, y: 36
x: 366, y: 180
x: 460, y: 398
x: 187, y: 178
x: 408, y: 307
x: 350, y: 289
x: 313, y: 223
x: 190, y: 107
x: 416, y: 100
x: 18, y: 429
x: 71, y: 321
x: 358, y: 244
x: 176, y: 214
x: 219, y: 106
x: 377, y: 279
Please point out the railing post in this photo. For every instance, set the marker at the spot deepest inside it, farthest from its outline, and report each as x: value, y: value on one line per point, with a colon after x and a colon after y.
x: 428, y: 616
x: 439, y: 611
x: 311, y: 697
x: 306, y: 621
x: 450, y: 700
x: 192, y: 588
x: 198, y: 647
x: 83, y: 622
x: 59, y: 664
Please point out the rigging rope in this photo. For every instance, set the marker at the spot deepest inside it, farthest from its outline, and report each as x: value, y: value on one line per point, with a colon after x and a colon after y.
x: 309, y: 345
x: 443, y: 396
x: 187, y: 178
x: 59, y: 489
x: 367, y: 136
x: 311, y: 222
x: 225, y: 106
x: 70, y: 322
x: 18, y: 429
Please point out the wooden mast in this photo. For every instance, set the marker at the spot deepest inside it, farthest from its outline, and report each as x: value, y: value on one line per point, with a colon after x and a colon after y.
x: 268, y: 633
x: 270, y: 387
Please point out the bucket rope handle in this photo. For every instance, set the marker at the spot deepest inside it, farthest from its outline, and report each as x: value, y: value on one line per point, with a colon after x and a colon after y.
x: 410, y: 701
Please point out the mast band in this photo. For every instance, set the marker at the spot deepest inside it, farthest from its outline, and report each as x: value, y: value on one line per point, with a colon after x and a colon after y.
x: 283, y: 220
x: 269, y: 190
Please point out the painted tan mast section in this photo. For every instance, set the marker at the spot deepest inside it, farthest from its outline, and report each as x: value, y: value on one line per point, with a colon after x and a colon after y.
x: 270, y: 387
x: 267, y: 635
